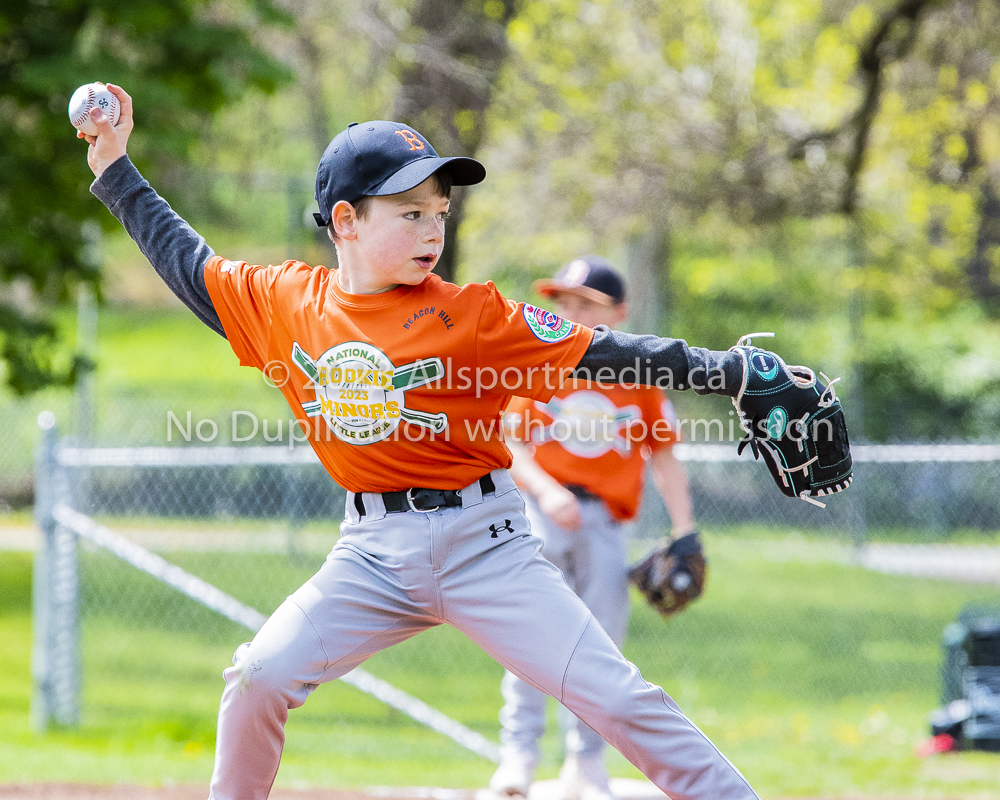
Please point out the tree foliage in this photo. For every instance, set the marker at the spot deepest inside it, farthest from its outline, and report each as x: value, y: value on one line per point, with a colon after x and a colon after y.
x: 445, y: 57
x: 181, y: 59
x: 827, y: 170
x: 428, y: 63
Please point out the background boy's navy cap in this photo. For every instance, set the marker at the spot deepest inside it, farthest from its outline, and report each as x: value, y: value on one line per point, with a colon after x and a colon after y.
x: 380, y: 158
x: 591, y: 276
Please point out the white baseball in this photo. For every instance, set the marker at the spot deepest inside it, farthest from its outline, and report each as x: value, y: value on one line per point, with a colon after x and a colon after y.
x: 88, y: 96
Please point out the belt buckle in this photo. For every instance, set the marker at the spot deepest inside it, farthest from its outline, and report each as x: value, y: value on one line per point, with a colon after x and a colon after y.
x: 409, y: 502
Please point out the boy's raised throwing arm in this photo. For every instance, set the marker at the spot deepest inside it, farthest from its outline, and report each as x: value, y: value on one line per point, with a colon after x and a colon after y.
x: 176, y: 251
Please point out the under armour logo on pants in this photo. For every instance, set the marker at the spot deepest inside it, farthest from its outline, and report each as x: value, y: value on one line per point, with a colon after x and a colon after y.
x: 495, y: 531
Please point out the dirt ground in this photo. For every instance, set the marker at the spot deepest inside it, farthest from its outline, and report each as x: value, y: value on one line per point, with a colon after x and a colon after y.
x: 75, y: 791
x: 71, y: 791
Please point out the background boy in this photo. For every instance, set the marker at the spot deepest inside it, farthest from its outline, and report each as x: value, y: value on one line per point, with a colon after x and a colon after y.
x: 579, y: 460
x: 434, y: 530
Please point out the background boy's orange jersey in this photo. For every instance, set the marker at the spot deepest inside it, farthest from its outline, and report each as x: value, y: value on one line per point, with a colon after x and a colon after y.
x: 399, y: 389
x: 593, y: 435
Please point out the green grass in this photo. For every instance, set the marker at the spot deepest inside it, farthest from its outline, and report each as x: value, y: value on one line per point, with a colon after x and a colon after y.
x: 814, y: 676
x: 153, y: 363
x: 150, y: 363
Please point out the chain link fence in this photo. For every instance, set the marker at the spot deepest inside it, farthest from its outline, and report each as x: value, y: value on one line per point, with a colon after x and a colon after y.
x: 17, y: 445
x: 860, y: 591
x: 901, y: 492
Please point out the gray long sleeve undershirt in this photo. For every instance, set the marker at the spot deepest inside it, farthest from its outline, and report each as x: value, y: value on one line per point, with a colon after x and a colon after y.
x: 667, y: 363
x: 179, y: 254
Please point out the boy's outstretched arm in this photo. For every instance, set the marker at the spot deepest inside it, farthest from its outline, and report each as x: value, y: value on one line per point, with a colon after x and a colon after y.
x: 671, y: 481
x: 618, y: 357
x: 176, y: 251
x: 556, y: 501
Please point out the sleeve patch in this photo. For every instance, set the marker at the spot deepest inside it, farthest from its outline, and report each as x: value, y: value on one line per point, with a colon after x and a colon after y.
x: 545, y: 325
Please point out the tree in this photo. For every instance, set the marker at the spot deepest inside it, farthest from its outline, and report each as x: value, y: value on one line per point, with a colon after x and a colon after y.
x: 920, y: 158
x: 806, y: 158
x: 182, y: 60
x: 446, y: 56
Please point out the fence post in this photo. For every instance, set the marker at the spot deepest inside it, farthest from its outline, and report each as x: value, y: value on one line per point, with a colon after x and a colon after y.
x: 55, y: 656
x: 858, y: 512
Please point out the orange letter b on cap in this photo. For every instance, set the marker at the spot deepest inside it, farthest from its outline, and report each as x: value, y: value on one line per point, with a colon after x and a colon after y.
x: 412, y: 140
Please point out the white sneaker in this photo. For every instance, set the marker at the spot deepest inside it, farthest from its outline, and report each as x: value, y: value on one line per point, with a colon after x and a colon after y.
x: 585, y: 779
x: 514, y: 775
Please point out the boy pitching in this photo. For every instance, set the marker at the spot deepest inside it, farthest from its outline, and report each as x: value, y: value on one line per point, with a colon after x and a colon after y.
x: 400, y: 379
x: 579, y: 461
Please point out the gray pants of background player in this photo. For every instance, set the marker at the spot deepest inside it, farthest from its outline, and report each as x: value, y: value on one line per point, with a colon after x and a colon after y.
x: 391, y: 576
x: 593, y: 561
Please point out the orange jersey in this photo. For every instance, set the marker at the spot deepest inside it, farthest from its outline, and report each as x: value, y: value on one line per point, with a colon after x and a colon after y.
x: 400, y: 389
x: 593, y: 436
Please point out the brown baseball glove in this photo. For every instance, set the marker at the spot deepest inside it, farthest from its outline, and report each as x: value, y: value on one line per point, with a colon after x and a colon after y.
x: 673, y: 575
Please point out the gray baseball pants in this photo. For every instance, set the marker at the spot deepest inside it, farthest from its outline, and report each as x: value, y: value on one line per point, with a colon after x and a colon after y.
x: 593, y: 562
x: 391, y: 576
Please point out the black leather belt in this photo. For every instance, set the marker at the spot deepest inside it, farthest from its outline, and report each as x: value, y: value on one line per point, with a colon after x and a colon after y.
x: 582, y: 493
x: 424, y: 499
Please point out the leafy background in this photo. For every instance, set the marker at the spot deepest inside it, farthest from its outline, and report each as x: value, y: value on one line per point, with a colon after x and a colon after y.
x: 827, y: 170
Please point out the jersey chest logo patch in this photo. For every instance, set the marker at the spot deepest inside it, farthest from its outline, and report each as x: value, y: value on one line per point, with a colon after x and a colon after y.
x: 587, y: 424
x: 545, y: 325
x: 362, y: 395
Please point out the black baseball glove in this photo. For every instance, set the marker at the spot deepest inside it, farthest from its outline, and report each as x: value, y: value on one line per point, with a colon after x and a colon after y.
x: 795, y: 421
x: 673, y: 574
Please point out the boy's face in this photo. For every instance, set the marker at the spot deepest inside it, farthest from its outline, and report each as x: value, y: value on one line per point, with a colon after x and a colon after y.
x: 578, y: 308
x: 400, y: 239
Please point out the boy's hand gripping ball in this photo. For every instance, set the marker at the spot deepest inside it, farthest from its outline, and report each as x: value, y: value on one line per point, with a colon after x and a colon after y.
x: 88, y: 96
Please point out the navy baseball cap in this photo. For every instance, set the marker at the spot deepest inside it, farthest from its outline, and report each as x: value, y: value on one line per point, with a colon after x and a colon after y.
x: 381, y: 158
x: 591, y: 276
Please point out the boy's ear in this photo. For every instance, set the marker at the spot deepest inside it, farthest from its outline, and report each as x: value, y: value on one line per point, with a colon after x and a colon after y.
x: 345, y: 220
x: 620, y: 312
